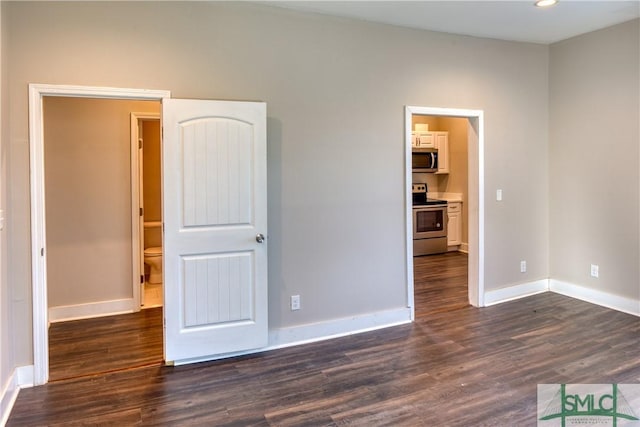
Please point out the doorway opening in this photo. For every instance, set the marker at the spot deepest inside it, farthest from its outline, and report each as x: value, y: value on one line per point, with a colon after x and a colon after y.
x: 462, y: 188
x: 228, y: 137
x: 145, y: 141
x: 126, y: 299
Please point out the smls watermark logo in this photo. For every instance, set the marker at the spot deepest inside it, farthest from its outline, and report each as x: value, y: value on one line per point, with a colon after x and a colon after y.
x: 562, y: 405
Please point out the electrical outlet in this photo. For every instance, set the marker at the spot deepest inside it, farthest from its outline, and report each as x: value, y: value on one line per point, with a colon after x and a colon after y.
x: 499, y: 195
x: 595, y: 270
x: 523, y: 266
x: 295, y: 302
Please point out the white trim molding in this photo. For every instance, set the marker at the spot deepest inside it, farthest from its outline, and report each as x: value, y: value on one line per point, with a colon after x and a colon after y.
x: 510, y: 293
x: 604, y: 299
x: 8, y: 396
x: 598, y: 297
x: 38, y: 229
x: 22, y: 377
x: 313, y: 332
x: 90, y: 310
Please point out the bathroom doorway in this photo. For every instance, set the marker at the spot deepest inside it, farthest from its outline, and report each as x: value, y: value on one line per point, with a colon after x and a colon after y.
x: 145, y: 134
x: 211, y: 339
x: 94, y: 250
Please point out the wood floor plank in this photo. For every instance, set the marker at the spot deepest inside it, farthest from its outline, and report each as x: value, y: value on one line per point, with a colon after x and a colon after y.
x: 105, y: 344
x: 456, y: 365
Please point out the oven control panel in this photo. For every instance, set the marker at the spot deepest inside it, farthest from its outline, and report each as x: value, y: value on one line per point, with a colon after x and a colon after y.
x: 419, y: 188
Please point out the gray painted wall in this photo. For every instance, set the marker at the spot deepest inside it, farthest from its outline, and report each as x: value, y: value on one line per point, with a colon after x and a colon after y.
x: 336, y: 91
x: 595, y: 158
x: 7, y: 363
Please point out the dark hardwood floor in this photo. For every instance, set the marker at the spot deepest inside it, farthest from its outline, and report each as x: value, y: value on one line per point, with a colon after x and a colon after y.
x: 440, y: 283
x: 105, y: 344
x: 459, y: 366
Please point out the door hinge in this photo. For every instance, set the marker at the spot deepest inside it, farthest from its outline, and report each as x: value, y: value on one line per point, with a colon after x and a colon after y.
x: 41, y: 251
x: 139, y: 143
x: 141, y: 278
x: 141, y: 211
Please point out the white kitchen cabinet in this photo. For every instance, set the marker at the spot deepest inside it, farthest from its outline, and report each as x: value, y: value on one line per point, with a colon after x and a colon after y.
x: 454, y: 226
x: 441, y: 139
x: 414, y: 140
x: 423, y: 139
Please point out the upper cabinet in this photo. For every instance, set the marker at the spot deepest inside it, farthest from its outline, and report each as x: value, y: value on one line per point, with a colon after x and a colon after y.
x: 441, y: 139
x: 423, y: 139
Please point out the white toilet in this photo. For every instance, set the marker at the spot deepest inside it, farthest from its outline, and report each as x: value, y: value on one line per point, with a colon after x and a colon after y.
x: 153, y: 258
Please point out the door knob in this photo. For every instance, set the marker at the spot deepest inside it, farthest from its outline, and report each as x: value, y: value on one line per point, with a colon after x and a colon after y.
x: 260, y: 238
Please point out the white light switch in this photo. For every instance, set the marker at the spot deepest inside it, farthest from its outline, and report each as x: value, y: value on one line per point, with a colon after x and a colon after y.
x: 295, y: 302
x: 499, y: 195
x: 1, y: 220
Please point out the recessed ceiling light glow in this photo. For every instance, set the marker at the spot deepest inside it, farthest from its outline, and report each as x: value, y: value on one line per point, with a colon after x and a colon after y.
x: 545, y: 3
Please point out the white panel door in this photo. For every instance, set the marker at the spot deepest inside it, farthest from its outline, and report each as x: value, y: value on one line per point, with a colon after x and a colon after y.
x: 215, y: 214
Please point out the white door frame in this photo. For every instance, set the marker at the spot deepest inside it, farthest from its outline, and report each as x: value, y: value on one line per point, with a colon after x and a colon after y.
x: 475, y: 202
x: 137, y: 225
x: 38, y: 226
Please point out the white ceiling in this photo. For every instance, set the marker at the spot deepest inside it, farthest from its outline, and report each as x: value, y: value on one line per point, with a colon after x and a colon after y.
x: 505, y: 20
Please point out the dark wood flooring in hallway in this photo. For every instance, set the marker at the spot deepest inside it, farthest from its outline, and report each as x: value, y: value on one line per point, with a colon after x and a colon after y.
x: 460, y: 366
x: 105, y: 344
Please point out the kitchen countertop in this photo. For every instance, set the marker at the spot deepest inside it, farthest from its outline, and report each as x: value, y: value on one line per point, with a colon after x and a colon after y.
x: 449, y: 197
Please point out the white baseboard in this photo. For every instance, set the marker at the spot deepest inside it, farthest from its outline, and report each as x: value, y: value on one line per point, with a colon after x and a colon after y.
x: 313, y: 332
x: 604, y: 299
x: 320, y: 331
x: 8, y: 398
x: 522, y: 290
x: 464, y: 247
x: 24, y: 375
x: 87, y: 311
x: 21, y: 377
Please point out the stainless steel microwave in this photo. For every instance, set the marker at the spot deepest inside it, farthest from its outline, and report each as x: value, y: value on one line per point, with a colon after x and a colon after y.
x: 424, y: 160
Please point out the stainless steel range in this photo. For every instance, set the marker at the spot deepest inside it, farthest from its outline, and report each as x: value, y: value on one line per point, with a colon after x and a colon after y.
x: 429, y: 223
